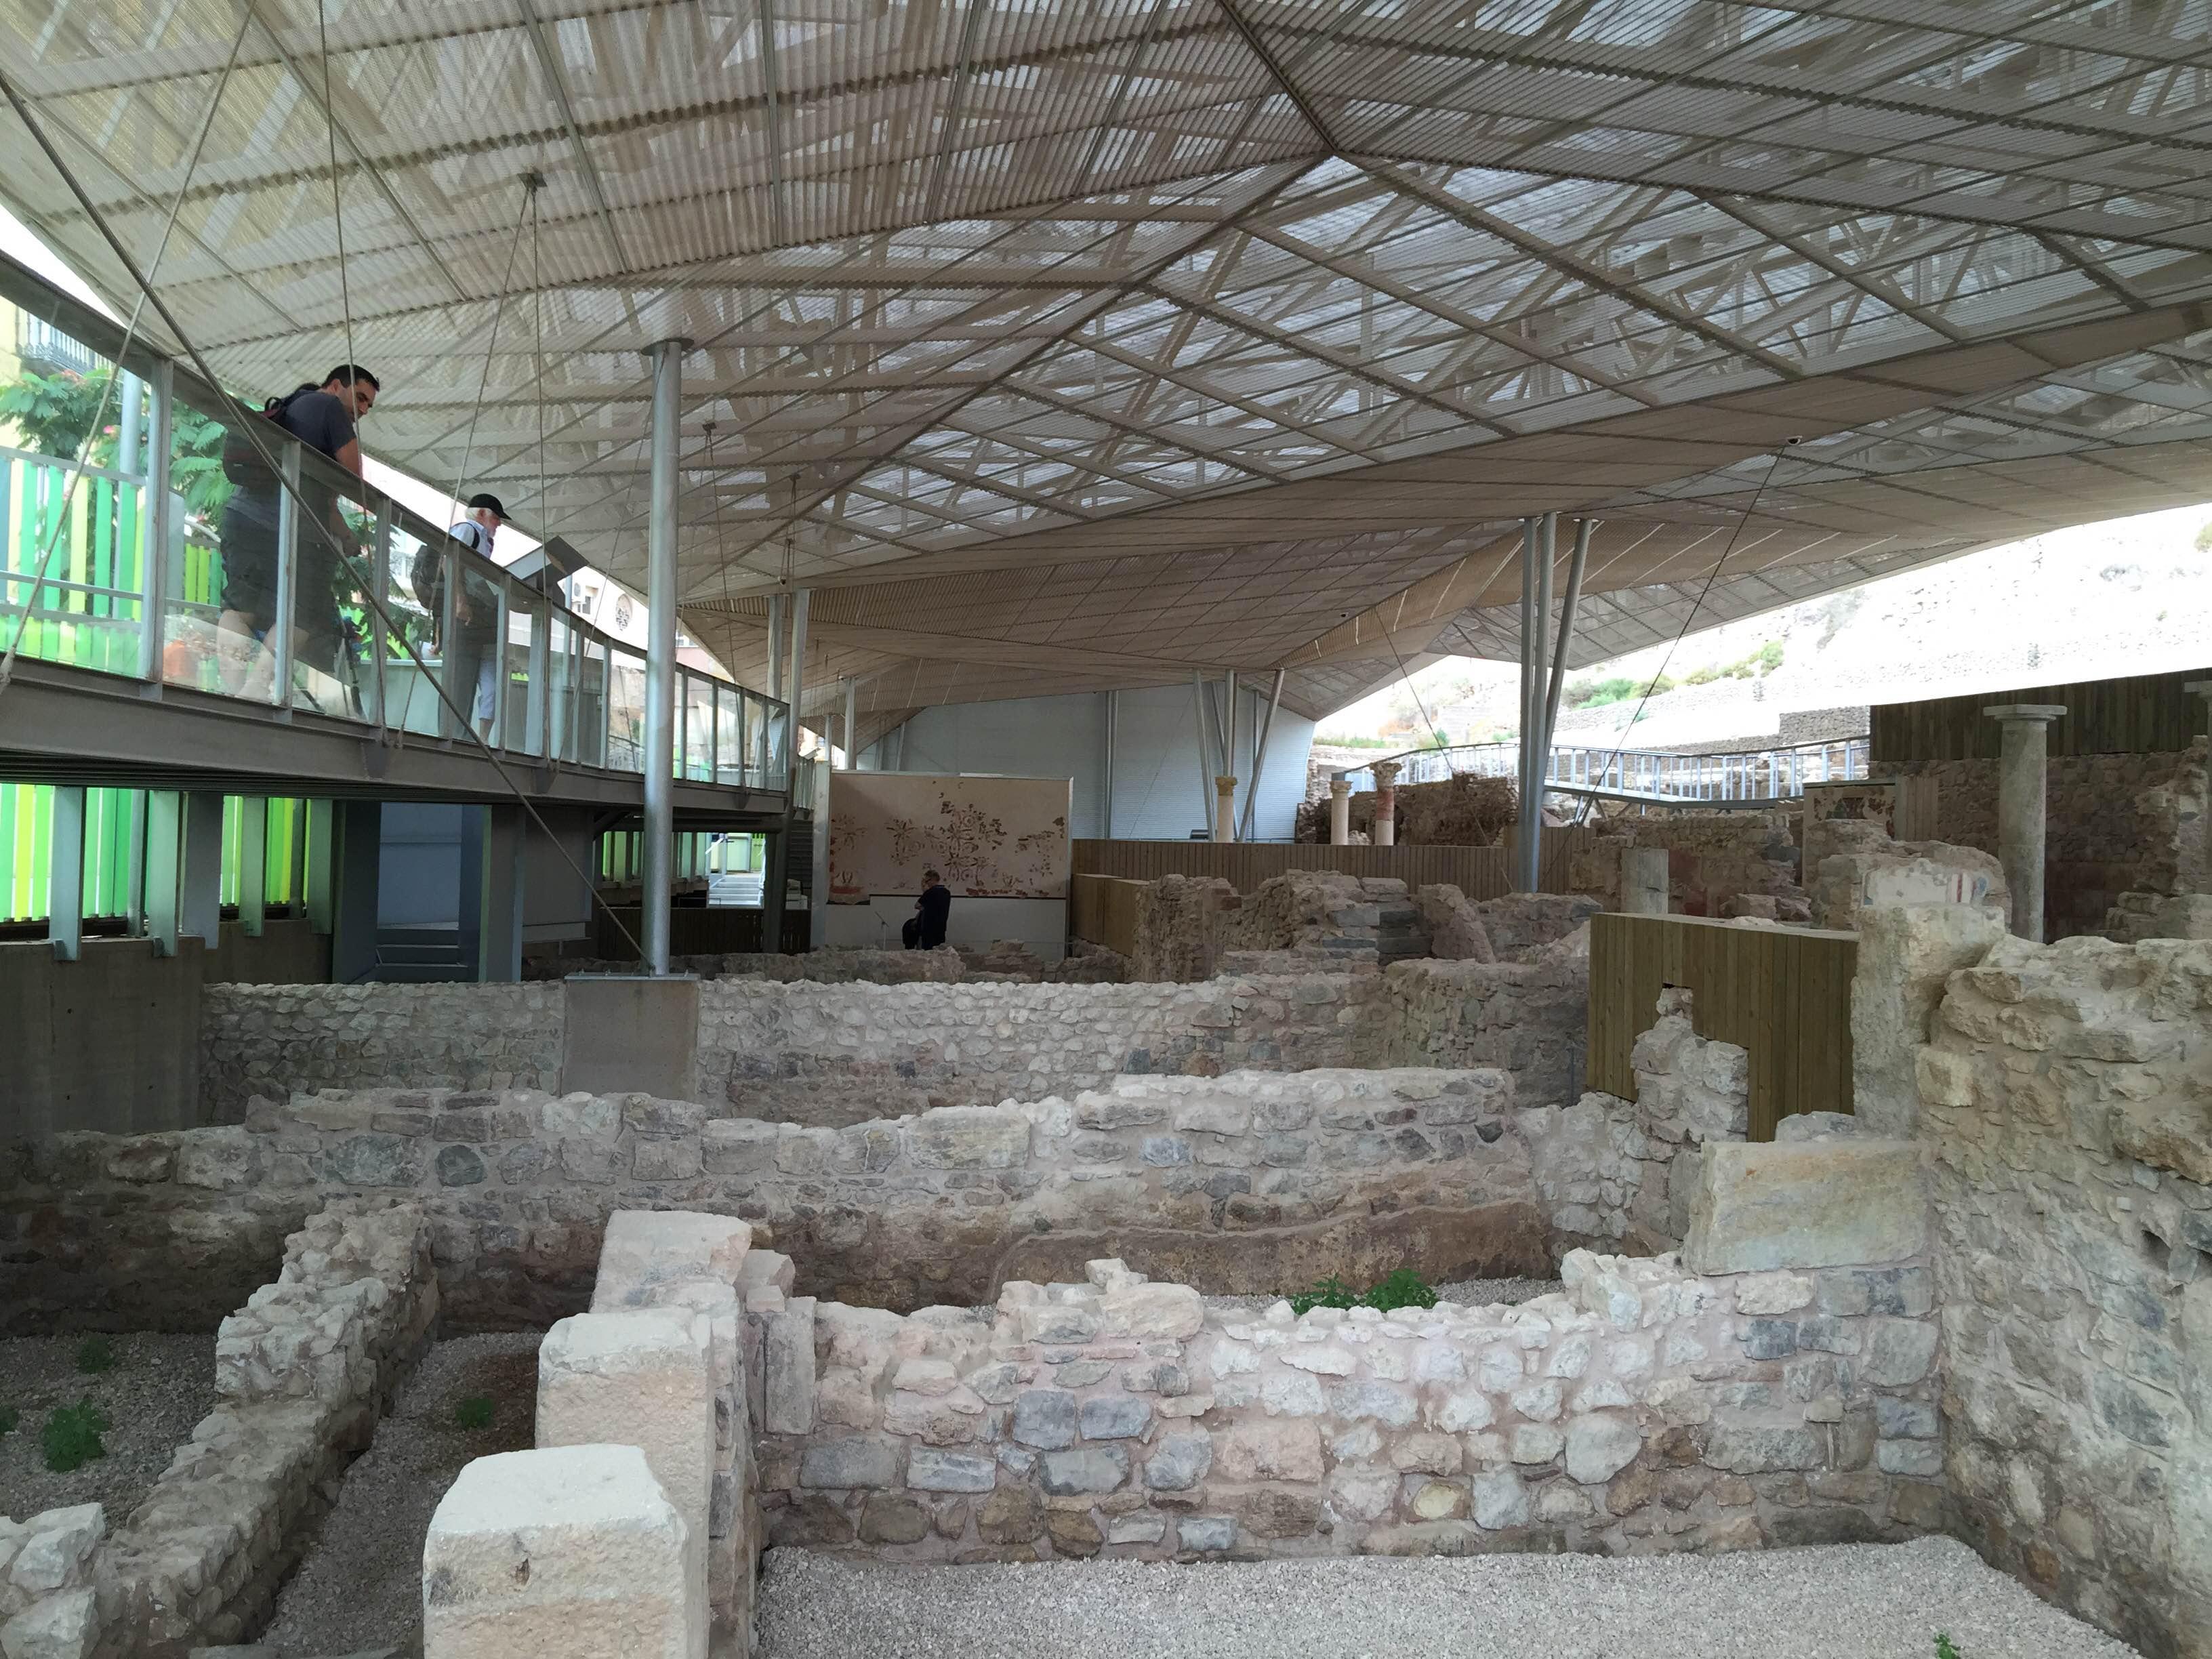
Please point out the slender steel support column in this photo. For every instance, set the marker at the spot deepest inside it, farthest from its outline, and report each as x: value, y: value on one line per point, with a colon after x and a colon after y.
x: 1259, y: 751
x: 1226, y: 826
x: 2200, y: 689
x: 657, y: 885
x: 253, y: 865
x: 154, y: 539
x: 1106, y: 810
x: 815, y: 850
x: 199, y: 881
x: 851, y: 724
x: 1198, y: 713
x: 1567, y: 608
x: 65, y: 874
x: 1524, y: 855
x: 165, y: 813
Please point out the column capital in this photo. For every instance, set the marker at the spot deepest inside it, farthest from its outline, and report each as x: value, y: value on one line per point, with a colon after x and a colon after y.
x: 1224, y: 782
x: 1339, y: 788
x: 1386, y: 773
x: 2026, y: 711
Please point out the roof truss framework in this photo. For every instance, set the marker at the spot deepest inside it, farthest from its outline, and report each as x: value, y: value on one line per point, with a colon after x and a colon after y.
x: 1173, y: 331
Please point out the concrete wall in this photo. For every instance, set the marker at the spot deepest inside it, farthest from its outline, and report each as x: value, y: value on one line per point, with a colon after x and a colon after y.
x: 104, y: 1043
x: 1155, y: 764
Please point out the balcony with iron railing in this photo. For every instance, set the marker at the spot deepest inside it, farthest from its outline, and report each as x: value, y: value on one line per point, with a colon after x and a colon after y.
x: 155, y: 564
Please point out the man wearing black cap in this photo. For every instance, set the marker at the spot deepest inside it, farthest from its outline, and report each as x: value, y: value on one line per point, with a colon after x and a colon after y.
x: 474, y: 652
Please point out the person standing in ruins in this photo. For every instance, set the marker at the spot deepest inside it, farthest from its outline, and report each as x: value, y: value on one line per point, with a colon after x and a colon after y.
x: 932, y: 911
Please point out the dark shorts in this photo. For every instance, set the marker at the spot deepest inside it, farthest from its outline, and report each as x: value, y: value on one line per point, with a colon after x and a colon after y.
x: 249, y: 570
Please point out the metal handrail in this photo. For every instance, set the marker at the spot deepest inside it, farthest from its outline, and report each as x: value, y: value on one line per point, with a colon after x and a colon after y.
x: 1717, y: 778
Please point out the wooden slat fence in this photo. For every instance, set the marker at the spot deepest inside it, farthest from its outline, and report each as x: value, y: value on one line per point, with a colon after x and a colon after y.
x: 1103, y: 910
x: 1480, y: 872
x: 1783, y: 994
x: 2139, y: 715
x: 693, y: 931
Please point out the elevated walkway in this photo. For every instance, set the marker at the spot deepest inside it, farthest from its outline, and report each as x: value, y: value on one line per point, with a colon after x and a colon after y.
x: 1717, y: 782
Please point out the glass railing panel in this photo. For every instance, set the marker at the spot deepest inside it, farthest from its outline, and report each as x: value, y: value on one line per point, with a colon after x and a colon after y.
x: 335, y: 562
x: 625, y: 712
x: 413, y: 595
x: 561, y: 639
x: 86, y: 538
x: 223, y: 566
x: 521, y: 718
x: 729, y: 735
x: 590, y: 699
x: 698, y: 752
x: 472, y: 654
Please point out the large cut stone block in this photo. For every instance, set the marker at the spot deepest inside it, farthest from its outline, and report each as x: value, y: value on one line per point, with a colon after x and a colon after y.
x: 644, y: 1378
x: 572, y: 1553
x: 652, y: 1246
x: 787, y: 1368
x: 625, y: 1034
x: 1812, y: 1204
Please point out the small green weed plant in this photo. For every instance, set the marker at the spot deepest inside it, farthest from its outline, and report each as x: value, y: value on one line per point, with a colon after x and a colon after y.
x: 1404, y: 1288
x: 474, y: 1412
x: 71, y: 1439
x: 1944, y: 1648
x: 95, y: 1354
x: 9, y: 1418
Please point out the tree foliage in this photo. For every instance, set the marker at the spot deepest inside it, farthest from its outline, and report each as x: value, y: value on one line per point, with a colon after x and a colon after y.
x: 52, y: 414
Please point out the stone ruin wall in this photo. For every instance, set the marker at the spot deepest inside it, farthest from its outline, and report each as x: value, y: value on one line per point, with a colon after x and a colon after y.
x: 2066, y: 1102
x: 1718, y: 864
x: 1249, y: 1183
x: 302, y: 1373
x: 832, y: 1055
x: 1650, y: 1407
x: 2118, y: 825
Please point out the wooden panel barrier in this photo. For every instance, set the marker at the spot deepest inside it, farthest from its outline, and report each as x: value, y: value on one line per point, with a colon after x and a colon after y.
x: 2139, y: 714
x: 1783, y: 994
x: 1103, y: 910
x: 1480, y: 872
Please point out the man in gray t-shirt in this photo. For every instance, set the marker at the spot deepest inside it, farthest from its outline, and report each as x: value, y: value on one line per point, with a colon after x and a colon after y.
x: 323, y: 418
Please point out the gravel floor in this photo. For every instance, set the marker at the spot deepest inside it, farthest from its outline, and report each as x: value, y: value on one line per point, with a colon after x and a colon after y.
x: 361, y: 1586
x: 1859, y: 1602
x: 1468, y: 1292
x: 160, y: 1386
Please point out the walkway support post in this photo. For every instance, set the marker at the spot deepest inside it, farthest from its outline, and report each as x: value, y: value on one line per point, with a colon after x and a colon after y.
x: 1525, y: 850
x: 1259, y: 751
x: 2021, y: 769
x: 656, y: 882
x: 1205, y: 773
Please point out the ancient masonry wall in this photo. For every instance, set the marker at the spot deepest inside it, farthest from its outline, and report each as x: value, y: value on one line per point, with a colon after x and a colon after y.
x: 2117, y: 824
x: 1649, y: 1407
x: 1622, y: 1175
x: 302, y: 1373
x: 1713, y: 861
x: 2066, y: 1102
x: 1253, y: 1182
x: 832, y: 1055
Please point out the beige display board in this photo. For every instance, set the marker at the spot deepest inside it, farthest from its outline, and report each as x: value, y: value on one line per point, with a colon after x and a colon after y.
x: 990, y: 838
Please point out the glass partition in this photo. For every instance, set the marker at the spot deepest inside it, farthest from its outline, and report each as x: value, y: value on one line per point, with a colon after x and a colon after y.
x: 698, y: 743
x: 521, y: 717
x: 729, y: 735
x: 591, y: 711
x: 472, y: 653
x: 560, y: 685
x: 336, y: 544
x: 625, y: 712
x: 414, y: 594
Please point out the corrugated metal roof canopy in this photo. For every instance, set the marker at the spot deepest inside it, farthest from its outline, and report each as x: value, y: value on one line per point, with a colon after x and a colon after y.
x: 1083, y: 344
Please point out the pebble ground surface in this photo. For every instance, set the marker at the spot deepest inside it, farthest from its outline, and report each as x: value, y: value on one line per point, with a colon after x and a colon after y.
x: 1852, y: 1602
x: 159, y: 1387
x: 360, y: 1587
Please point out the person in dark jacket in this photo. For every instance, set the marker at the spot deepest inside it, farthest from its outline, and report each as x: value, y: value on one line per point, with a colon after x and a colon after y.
x: 932, y: 909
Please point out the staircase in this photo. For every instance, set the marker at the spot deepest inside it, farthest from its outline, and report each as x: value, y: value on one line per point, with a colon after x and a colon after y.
x: 420, y: 956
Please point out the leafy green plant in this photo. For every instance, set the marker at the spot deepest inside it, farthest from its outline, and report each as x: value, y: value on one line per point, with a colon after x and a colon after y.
x: 50, y: 414
x: 72, y: 1437
x: 1944, y: 1648
x: 95, y: 1354
x: 9, y: 1418
x: 1404, y: 1288
x: 1330, y: 1292
x: 474, y: 1412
